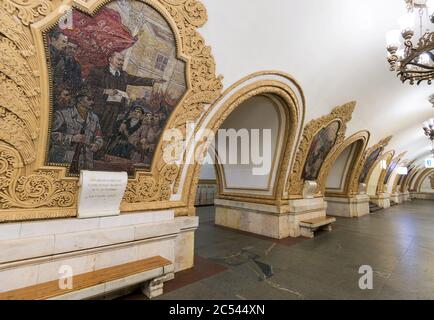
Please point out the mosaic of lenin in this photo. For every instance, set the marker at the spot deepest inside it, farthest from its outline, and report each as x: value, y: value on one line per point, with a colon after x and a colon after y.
x: 115, y: 81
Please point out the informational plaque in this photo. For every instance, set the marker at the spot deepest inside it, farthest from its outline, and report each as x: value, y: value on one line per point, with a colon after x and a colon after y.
x: 100, y: 193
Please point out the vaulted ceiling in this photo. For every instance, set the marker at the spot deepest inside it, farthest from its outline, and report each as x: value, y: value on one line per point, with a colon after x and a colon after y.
x: 335, y: 49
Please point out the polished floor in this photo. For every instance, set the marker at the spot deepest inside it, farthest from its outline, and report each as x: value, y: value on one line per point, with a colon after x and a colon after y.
x: 398, y: 243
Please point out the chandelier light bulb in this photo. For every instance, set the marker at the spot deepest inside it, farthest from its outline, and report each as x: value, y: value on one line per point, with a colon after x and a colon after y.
x: 400, y: 53
x: 424, y: 59
x: 430, y: 7
x: 406, y: 22
x: 393, y: 39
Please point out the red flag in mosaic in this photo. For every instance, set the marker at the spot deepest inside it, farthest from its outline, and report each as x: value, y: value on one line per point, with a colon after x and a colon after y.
x: 98, y: 37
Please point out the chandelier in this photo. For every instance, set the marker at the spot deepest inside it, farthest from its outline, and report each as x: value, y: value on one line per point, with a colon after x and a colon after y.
x: 413, y: 62
x: 428, y: 128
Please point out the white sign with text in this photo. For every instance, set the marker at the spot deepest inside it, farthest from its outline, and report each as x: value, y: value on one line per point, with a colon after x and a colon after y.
x: 429, y: 163
x: 100, y: 193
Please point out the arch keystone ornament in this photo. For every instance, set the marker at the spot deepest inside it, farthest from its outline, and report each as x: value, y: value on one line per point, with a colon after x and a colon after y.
x: 30, y: 186
x: 340, y: 115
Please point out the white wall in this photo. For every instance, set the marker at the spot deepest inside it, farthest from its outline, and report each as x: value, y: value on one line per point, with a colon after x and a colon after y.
x: 256, y: 113
x: 207, y: 171
x: 339, y: 170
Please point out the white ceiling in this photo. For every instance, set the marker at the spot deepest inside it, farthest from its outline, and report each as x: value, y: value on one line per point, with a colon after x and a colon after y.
x: 335, y: 49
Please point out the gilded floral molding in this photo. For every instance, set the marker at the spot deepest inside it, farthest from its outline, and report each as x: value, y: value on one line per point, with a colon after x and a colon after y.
x: 24, y: 108
x: 28, y: 11
x: 42, y: 189
x: 343, y: 115
x: 363, y: 137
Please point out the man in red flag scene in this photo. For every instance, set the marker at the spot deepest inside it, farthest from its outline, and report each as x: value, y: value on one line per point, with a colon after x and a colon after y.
x: 120, y: 54
x: 102, y: 42
x: 111, y: 84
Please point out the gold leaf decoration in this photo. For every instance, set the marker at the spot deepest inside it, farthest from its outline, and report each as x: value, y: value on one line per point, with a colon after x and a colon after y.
x: 363, y: 138
x: 343, y: 115
x: 42, y: 189
x: 15, y: 132
x: 16, y: 67
x: 23, y: 80
x: 13, y: 98
x: 206, y: 87
x: 27, y: 10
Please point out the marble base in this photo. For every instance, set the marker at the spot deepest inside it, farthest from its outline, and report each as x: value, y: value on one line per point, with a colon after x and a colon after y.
x: 397, y: 197
x: 355, y: 206
x: 34, y: 252
x: 382, y: 200
x: 268, y: 220
x: 423, y: 195
x: 406, y: 196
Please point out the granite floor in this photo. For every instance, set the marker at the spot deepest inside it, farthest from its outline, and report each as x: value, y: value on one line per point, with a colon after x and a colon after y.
x: 398, y: 243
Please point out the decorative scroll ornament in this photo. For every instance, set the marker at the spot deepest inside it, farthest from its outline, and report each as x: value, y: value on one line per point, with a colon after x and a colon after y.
x: 43, y: 189
x: 24, y: 88
x: 28, y: 11
x: 342, y: 114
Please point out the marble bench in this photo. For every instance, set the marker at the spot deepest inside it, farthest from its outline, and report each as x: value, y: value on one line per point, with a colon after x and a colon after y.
x: 151, y: 273
x: 308, y: 227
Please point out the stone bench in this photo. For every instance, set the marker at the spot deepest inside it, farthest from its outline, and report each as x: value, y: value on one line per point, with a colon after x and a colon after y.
x: 150, y: 272
x: 308, y: 227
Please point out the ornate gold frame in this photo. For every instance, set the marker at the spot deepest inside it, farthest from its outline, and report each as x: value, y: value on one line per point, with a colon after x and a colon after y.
x: 387, y: 155
x: 343, y: 115
x: 349, y: 189
x: 396, y: 186
x: 383, y: 184
x: 28, y: 188
x: 421, y: 178
x: 294, y: 113
x: 381, y: 144
x: 406, y: 184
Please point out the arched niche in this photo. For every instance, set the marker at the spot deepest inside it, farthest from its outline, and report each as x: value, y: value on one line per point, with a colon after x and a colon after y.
x: 423, y: 182
x: 427, y: 185
x: 273, y: 91
x: 405, y: 183
x: 342, y: 166
x: 400, y: 180
x: 370, y: 157
x: 321, y: 137
x: 391, y: 174
x: 376, y: 173
x: 259, y: 113
x: 411, y: 182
